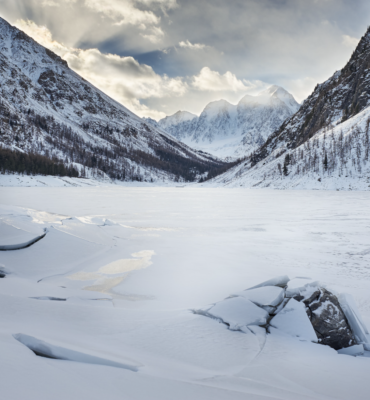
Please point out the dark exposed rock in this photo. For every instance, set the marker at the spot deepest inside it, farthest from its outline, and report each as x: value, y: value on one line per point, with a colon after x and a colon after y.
x: 56, y: 58
x: 328, y: 320
x: 298, y: 297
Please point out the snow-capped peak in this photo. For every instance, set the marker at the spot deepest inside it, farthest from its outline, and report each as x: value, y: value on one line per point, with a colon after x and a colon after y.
x: 177, y: 118
x: 228, y: 130
x: 272, y: 96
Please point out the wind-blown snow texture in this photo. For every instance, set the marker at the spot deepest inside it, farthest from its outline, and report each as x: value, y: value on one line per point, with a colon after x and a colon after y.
x: 48, y: 109
x: 228, y: 130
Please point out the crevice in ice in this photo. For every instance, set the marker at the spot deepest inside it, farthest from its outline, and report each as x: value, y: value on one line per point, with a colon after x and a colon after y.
x: 48, y: 298
x: 206, y: 314
x: 47, y: 350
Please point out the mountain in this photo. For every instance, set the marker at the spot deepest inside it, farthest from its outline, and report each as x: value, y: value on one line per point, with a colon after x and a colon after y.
x: 325, y: 144
x: 178, y: 124
x: 228, y: 130
x: 47, y: 109
x: 341, y: 97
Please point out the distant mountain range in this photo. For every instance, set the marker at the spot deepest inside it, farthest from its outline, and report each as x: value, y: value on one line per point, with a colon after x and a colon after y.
x: 228, y: 130
x: 49, y: 110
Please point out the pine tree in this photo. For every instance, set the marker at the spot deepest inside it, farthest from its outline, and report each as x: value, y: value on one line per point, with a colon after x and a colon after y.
x: 286, y: 163
x: 325, y: 162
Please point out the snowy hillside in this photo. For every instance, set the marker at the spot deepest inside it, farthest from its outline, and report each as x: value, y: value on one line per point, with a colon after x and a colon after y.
x: 228, y: 130
x: 48, y: 109
x: 325, y: 145
x: 336, y: 159
x: 341, y: 97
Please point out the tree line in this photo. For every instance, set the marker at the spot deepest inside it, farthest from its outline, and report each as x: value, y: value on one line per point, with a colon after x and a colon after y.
x: 12, y: 161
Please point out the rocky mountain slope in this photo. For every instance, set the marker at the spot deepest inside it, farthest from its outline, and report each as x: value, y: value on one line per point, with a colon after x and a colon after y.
x: 325, y: 145
x: 341, y: 97
x: 228, y: 130
x: 48, y: 109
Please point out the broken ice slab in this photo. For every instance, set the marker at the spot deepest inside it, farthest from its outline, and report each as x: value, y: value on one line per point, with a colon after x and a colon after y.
x: 12, y: 238
x: 356, y: 350
x: 280, y: 281
x: 238, y: 312
x: 264, y: 296
x: 43, y: 349
x: 293, y: 320
x: 297, y: 285
x: 354, y: 319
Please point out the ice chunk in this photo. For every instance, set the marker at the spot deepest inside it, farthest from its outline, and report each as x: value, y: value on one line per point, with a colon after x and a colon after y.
x: 43, y: 349
x: 294, y: 321
x: 264, y: 296
x: 238, y: 312
x: 352, y: 314
x: 356, y: 350
x: 298, y: 285
x: 12, y: 238
x: 280, y: 281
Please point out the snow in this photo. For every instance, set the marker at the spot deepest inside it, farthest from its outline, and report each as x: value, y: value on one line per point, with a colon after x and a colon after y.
x: 280, y: 281
x: 208, y: 243
x: 354, y: 319
x: 347, y: 150
x: 356, y: 350
x: 238, y: 312
x: 232, y: 131
x: 52, y: 351
x: 294, y: 321
x: 12, y: 238
x: 298, y: 285
x: 264, y: 296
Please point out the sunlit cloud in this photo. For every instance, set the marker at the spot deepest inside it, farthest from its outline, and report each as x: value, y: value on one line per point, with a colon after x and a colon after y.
x: 350, y: 41
x: 195, y: 46
x: 132, y: 83
x: 122, y: 78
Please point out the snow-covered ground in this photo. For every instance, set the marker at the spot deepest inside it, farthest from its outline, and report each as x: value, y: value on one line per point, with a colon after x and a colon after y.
x: 19, y: 180
x: 112, y: 283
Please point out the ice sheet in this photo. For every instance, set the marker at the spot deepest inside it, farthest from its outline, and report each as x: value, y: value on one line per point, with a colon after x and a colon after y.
x: 208, y: 244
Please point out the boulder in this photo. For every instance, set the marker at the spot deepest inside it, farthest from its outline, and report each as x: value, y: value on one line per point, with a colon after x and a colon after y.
x: 327, y: 319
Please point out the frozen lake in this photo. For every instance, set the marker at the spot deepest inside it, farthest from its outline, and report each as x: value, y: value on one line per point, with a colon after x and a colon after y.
x: 150, y: 255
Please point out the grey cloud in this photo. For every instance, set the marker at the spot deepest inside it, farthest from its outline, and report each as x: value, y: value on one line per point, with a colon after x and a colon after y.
x: 293, y: 43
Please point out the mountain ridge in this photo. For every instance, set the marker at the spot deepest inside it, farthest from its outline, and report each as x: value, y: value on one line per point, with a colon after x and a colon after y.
x: 233, y: 130
x: 325, y: 144
x: 48, y: 109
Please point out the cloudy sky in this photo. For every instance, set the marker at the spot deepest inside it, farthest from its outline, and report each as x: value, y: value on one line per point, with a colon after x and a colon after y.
x: 160, y: 56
